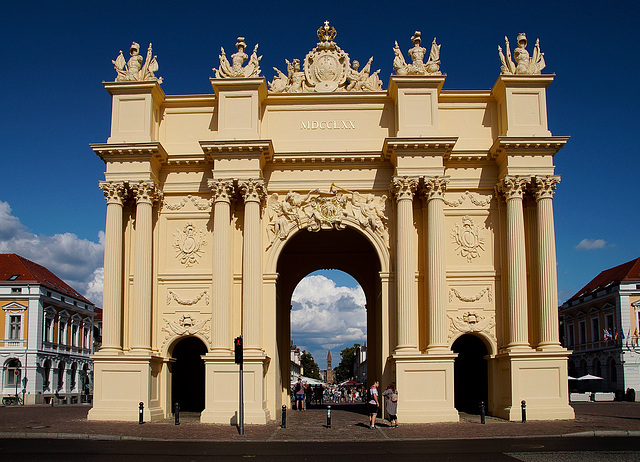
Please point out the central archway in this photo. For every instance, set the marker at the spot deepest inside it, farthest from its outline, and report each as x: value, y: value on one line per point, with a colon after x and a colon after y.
x: 345, y: 250
x: 470, y: 374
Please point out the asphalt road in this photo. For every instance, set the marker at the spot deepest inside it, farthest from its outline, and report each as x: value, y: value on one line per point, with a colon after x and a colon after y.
x: 549, y: 449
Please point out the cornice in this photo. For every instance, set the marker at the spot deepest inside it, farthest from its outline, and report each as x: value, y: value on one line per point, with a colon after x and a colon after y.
x: 316, y: 158
x: 418, y: 146
x: 119, y: 152
x: 135, y: 87
x: 528, y: 145
x: 237, y: 148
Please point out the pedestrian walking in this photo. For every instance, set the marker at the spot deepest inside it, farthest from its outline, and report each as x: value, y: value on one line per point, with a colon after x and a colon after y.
x: 373, y: 404
x: 299, y: 392
x: 391, y: 403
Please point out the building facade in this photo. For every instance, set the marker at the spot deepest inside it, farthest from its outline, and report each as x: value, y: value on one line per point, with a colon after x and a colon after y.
x: 600, y: 326
x: 47, y: 335
x: 438, y: 202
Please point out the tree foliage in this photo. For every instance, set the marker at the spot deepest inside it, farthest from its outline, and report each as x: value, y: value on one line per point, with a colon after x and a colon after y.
x: 309, y: 366
x: 344, y: 370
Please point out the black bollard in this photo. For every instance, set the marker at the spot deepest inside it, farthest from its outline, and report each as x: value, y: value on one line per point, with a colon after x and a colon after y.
x: 284, y: 417
x: 523, y: 403
x: 176, y: 413
x: 328, y: 416
x: 482, y: 412
x: 140, y: 410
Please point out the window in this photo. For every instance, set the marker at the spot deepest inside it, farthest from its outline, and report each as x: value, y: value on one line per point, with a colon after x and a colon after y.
x: 13, y: 277
x: 12, y: 373
x: 610, y: 322
x: 16, y: 290
x: 48, y: 322
x: 62, y: 331
x: 570, y: 335
x: 60, y: 375
x: 74, y: 335
x: 582, y: 338
x: 15, y: 324
x: 595, y: 330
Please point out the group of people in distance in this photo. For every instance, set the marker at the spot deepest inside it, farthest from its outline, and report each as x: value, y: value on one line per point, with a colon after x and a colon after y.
x: 300, y: 390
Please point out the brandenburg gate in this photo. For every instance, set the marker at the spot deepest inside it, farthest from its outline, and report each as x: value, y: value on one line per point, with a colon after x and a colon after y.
x: 438, y: 202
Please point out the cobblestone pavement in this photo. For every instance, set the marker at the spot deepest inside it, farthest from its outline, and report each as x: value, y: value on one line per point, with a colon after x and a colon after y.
x: 348, y: 422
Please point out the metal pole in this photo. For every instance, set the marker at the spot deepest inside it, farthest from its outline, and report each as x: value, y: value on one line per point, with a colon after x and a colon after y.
x: 241, y: 411
x: 523, y: 403
x: 176, y: 413
x: 482, y: 412
x: 140, y: 411
x: 328, y: 416
x: 284, y: 416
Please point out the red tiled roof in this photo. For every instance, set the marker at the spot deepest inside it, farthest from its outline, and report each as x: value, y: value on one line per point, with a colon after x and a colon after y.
x: 629, y: 271
x: 12, y: 264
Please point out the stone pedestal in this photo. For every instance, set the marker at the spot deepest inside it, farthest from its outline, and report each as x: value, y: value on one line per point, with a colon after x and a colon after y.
x: 121, y: 383
x: 425, y: 388
x: 539, y: 378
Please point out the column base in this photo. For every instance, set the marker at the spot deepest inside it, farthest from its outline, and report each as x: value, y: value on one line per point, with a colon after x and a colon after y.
x: 121, y: 382
x: 539, y: 378
x: 425, y: 388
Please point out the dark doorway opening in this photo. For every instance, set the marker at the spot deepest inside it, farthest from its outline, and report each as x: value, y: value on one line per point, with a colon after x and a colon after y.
x: 470, y: 374
x: 187, y: 375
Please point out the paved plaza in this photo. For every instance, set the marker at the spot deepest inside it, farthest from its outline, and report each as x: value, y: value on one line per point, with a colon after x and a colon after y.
x: 348, y: 423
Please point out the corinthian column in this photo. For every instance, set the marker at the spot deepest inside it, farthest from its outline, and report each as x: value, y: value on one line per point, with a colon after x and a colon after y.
x: 253, y: 192
x: 145, y: 193
x: 221, y: 264
x: 436, y: 264
x: 548, y: 334
x: 115, y: 193
x: 513, y: 188
x: 407, y: 309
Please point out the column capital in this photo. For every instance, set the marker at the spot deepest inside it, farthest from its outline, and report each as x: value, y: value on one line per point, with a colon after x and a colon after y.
x: 434, y: 187
x: 114, y: 191
x: 403, y: 187
x: 545, y: 186
x: 146, y: 191
x: 512, y: 186
x: 222, y: 190
x: 252, y: 190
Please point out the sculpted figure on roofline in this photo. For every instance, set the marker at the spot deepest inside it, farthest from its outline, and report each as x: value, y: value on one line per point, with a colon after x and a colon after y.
x: 235, y: 69
x: 525, y: 64
x: 134, y: 70
x: 417, y: 54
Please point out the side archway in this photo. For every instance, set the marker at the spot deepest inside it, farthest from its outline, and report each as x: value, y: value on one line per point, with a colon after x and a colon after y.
x: 187, y: 375
x: 470, y: 371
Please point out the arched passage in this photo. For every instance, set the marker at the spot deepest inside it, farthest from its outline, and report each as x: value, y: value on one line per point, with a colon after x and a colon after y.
x: 187, y: 375
x: 346, y: 250
x: 470, y: 374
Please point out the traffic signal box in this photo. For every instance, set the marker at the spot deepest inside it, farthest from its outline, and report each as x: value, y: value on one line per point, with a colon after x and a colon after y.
x: 238, y: 349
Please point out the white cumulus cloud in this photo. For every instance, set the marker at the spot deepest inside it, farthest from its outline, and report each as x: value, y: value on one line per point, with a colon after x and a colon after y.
x: 79, y: 262
x: 591, y: 244
x: 325, y: 316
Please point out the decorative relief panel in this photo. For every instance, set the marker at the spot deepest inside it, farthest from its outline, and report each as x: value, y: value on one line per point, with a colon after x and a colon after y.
x: 325, y: 210
x: 468, y: 238
x: 474, y: 298
x: 472, y: 322
x: 186, y: 325
x: 472, y: 199
x: 188, y: 244
x: 200, y: 205
x: 171, y: 296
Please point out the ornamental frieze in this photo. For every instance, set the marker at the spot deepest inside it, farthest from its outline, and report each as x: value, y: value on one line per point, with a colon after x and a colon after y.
x: 468, y: 238
x: 188, y: 244
x: 171, y: 296
x: 324, y: 210
x: 473, y: 298
x: 186, y: 325
x: 471, y: 322
x: 200, y: 205
x: 472, y: 199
